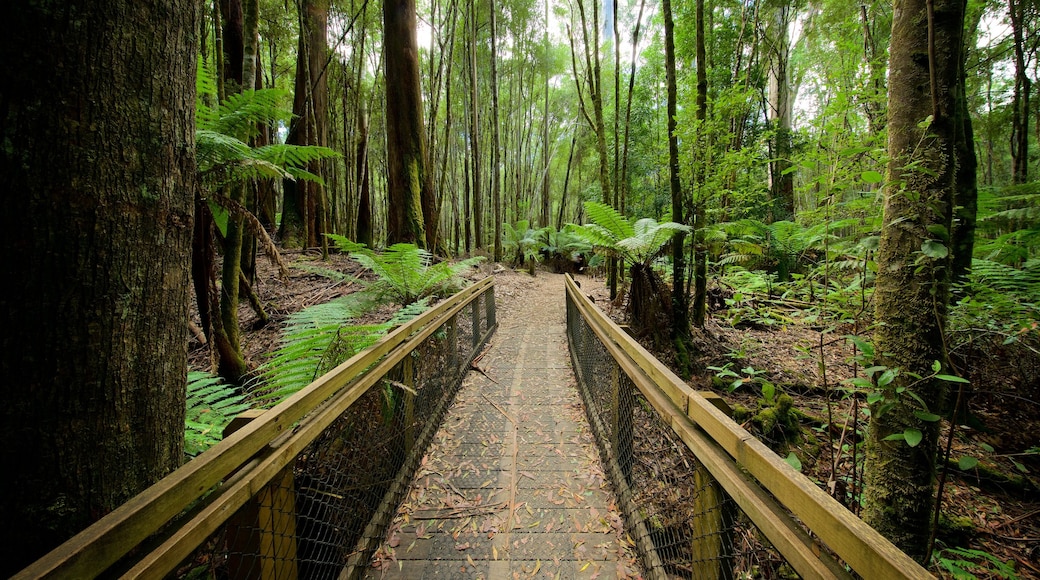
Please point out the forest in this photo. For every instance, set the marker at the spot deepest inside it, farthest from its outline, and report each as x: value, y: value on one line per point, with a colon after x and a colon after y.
x: 828, y: 211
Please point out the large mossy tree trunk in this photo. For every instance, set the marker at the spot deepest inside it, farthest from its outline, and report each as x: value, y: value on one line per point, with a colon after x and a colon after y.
x: 407, y: 174
x: 913, y: 279
x: 98, y: 176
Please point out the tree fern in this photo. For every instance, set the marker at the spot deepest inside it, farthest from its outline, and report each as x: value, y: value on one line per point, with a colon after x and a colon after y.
x: 639, y: 243
x: 522, y: 242
x: 210, y: 405
x: 407, y: 273
x: 636, y: 242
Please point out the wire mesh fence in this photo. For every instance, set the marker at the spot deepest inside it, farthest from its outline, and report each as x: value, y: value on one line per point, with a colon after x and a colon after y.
x: 683, y: 523
x: 323, y: 515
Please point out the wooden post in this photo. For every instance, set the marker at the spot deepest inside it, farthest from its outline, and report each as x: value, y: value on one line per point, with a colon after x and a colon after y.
x: 712, y: 520
x: 262, y: 534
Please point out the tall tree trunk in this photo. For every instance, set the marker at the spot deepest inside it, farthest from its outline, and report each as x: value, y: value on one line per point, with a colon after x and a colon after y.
x: 700, y: 275
x: 680, y: 298
x: 232, y: 365
x: 966, y: 194
x: 232, y: 36
x: 913, y: 278
x: 546, y: 202
x: 1020, y: 100
x: 408, y: 176
x: 594, y: 80
x: 474, y: 136
x: 364, y: 212
x: 496, y: 153
x: 98, y: 175
x: 628, y: 107
x: 303, y: 202
x: 779, y: 112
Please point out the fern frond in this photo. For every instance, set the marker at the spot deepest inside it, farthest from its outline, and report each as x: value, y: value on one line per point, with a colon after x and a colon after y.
x: 241, y: 113
x: 407, y: 273
x: 608, y: 218
x: 213, y: 149
x: 210, y: 405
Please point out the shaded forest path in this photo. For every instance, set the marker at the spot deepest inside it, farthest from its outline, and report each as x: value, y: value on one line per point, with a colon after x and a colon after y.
x: 512, y: 485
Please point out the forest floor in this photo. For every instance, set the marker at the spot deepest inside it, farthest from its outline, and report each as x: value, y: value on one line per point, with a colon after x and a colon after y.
x: 993, y: 508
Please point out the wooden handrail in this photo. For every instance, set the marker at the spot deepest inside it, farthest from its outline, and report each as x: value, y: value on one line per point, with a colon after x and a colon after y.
x: 726, y: 449
x: 96, y: 548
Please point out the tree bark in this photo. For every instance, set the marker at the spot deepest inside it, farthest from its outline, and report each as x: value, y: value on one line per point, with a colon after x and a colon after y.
x: 408, y: 176
x: 496, y: 154
x: 303, y: 205
x: 98, y: 173
x: 474, y: 137
x: 913, y: 278
x: 779, y: 113
x: 1020, y: 99
x: 680, y: 298
x: 364, y: 215
x: 700, y: 274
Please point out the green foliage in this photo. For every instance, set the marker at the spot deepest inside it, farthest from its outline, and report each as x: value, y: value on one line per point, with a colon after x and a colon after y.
x: 407, y: 273
x: 965, y: 563
x: 211, y: 404
x: 317, y: 339
x: 522, y: 242
x: 1009, y: 224
x: 997, y: 298
x: 222, y: 149
x: 637, y: 241
x: 782, y: 247
x: 563, y: 249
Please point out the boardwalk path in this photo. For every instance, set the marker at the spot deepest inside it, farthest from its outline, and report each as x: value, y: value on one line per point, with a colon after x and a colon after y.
x: 512, y: 486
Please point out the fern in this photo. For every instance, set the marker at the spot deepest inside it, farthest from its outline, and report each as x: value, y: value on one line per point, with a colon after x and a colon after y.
x: 312, y: 339
x: 407, y: 273
x: 210, y: 406
x: 522, y: 242
x: 319, y: 338
x: 637, y: 242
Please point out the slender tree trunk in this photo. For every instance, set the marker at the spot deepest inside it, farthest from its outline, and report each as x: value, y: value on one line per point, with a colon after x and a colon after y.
x: 496, y: 154
x: 232, y: 365
x: 364, y: 215
x: 1020, y: 100
x: 474, y: 137
x: 546, y: 202
x: 98, y: 175
x: 779, y: 112
x: 700, y: 275
x: 566, y: 180
x: 628, y: 108
x: 966, y: 194
x: 913, y: 278
x: 408, y: 176
x: 680, y: 298
x: 594, y: 80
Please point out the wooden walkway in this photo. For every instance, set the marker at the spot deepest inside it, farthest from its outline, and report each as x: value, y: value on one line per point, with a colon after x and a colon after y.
x: 512, y: 486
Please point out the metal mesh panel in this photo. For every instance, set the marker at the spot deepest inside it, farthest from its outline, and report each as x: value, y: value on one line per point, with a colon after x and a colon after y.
x: 323, y: 516
x: 682, y: 522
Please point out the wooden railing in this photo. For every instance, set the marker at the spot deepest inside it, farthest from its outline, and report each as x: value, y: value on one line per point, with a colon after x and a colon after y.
x: 801, y: 521
x: 166, y: 523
